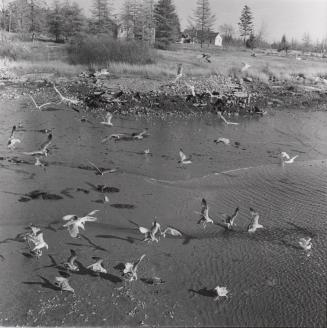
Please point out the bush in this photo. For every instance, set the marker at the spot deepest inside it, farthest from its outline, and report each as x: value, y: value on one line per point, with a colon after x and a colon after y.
x: 14, y: 50
x: 103, y: 49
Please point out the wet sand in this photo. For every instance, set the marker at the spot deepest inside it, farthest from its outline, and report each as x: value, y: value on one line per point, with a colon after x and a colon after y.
x: 272, y: 282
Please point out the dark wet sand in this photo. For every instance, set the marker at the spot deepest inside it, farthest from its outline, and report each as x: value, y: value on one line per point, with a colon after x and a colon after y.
x: 272, y: 282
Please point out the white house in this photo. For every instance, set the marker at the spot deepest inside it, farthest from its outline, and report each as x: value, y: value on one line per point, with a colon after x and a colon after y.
x: 218, y: 40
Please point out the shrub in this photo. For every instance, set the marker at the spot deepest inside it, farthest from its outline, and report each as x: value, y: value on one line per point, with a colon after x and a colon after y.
x: 103, y: 49
x: 14, y: 50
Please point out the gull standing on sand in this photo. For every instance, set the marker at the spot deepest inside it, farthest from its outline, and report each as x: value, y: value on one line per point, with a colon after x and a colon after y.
x: 254, y: 225
x: 75, y: 222
x: 150, y: 234
x: 305, y: 243
x: 204, y: 214
x: 183, y: 158
x: 221, y: 292
x: 12, y: 140
x: 225, y: 121
x: 63, y: 284
x: 286, y: 158
x: 97, y: 266
x: 70, y: 264
x: 229, y: 219
x: 108, y: 120
x: 130, y: 270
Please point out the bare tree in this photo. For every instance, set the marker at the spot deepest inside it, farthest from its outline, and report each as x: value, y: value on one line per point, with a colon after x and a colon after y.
x: 203, y: 20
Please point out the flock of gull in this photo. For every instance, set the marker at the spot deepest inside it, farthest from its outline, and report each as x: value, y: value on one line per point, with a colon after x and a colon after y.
x: 74, y: 223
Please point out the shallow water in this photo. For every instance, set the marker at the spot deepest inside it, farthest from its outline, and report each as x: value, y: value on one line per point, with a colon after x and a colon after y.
x: 272, y: 282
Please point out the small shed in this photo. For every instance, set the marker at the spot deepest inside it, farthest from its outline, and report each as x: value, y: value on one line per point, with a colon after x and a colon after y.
x: 218, y: 40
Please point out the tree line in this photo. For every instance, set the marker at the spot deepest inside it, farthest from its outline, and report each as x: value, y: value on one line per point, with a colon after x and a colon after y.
x: 146, y: 20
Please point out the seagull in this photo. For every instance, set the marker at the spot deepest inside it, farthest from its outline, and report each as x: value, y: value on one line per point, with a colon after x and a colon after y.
x: 147, y: 151
x: 38, y: 242
x: 63, y: 284
x: 221, y: 292
x: 42, y: 152
x: 245, y: 67
x: 100, y: 171
x: 183, y: 158
x: 70, y: 264
x: 205, y: 56
x: 229, y: 219
x: 131, y: 268
x: 171, y: 231
x: 97, y: 266
x: 305, y: 243
x: 108, y: 120
x: 225, y: 141
x: 150, y: 234
x: 12, y: 140
x: 227, y: 122
x: 75, y: 222
x: 289, y: 159
x: 117, y: 136
x: 39, y: 107
x: 192, y: 88
x: 204, y: 214
x: 254, y: 225
x: 140, y: 135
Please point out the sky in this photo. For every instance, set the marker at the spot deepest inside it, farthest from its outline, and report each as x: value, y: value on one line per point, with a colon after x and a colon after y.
x: 293, y: 18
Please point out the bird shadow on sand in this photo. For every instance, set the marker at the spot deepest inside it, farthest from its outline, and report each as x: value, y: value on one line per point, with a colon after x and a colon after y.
x: 128, y: 238
x: 45, y: 283
x: 112, y: 278
x: 204, y: 292
x: 27, y: 255
x: 92, y: 244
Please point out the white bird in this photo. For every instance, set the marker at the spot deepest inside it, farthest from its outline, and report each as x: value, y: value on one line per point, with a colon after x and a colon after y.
x: 70, y: 263
x: 286, y: 158
x: 43, y: 150
x: 204, y: 214
x: 225, y: 121
x: 229, y: 219
x: 171, y: 231
x: 12, y: 140
x: 183, y: 158
x: 192, y: 88
x: 100, y: 171
x: 225, y: 141
x: 108, y: 120
x: 254, y: 225
x: 130, y: 270
x: 63, y: 284
x: 38, y: 242
x: 245, y: 67
x: 147, y: 151
x: 305, y: 243
x: 221, y: 292
x: 150, y: 234
x: 39, y: 107
x: 75, y: 223
x: 97, y: 266
x: 140, y: 135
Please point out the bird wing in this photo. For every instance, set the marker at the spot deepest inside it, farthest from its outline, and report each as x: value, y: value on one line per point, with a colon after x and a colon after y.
x: 204, y: 206
x: 95, y: 167
x: 34, y: 101
x: 172, y: 231
x: 182, y: 155
x: 46, y: 144
x: 234, y: 215
x: 137, y: 262
x: 69, y: 217
x: 61, y: 279
x: 72, y: 257
x: 92, y: 212
x: 144, y: 230
x: 285, y: 155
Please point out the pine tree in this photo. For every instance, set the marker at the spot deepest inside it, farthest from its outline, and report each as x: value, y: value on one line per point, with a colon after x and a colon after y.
x: 166, y: 22
x: 203, y: 20
x: 283, y: 44
x: 246, y: 23
x: 101, y: 16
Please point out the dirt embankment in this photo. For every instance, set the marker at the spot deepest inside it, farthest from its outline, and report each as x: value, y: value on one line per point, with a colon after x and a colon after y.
x: 141, y: 96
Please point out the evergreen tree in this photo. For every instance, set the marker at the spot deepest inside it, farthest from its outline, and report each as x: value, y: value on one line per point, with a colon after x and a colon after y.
x: 203, y: 20
x: 102, y: 20
x: 246, y: 23
x: 56, y: 21
x: 283, y: 44
x: 166, y: 21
